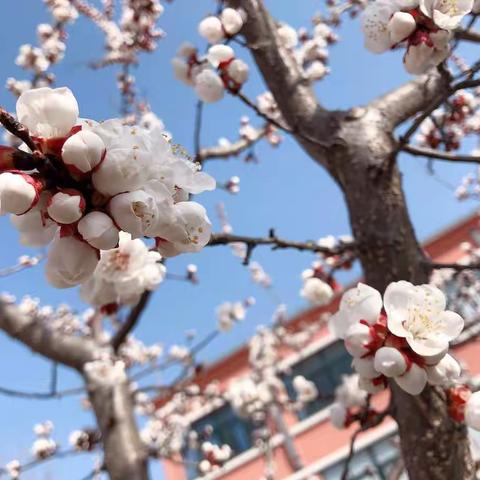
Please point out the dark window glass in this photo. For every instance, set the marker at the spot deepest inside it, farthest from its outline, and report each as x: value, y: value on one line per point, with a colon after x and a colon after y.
x: 325, y: 368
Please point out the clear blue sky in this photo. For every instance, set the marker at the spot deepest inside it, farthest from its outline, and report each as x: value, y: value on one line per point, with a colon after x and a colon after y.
x: 286, y: 190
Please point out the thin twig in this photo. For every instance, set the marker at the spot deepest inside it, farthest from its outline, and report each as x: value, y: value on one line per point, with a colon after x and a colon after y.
x: 41, y: 395
x: 278, y: 243
x: 437, y: 154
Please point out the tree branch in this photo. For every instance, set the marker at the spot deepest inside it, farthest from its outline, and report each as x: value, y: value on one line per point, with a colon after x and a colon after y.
x: 278, y: 243
x: 131, y: 321
x: 459, y: 267
x: 65, y: 349
x: 293, y: 93
x: 232, y: 150
x: 439, y: 155
x: 405, y: 101
x: 468, y: 35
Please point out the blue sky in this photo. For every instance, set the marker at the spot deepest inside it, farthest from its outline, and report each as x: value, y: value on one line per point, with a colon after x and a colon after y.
x: 286, y: 190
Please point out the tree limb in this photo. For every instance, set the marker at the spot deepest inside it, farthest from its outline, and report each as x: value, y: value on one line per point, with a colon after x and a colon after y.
x: 65, y: 349
x: 405, y: 101
x: 468, y: 35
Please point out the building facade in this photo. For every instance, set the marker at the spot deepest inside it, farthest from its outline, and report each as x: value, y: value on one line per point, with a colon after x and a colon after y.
x: 322, y: 448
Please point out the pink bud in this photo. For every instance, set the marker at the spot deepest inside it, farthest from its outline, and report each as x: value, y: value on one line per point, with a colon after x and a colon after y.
x: 19, y: 192
x: 390, y: 362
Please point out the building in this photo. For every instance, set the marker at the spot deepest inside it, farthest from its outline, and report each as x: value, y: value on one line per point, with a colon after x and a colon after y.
x: 322, y: 448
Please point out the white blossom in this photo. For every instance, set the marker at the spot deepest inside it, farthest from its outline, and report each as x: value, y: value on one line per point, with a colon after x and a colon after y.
x: 48, y: 112
x: 446, y: 14
x: 70, y: 262
x: 417, y: 313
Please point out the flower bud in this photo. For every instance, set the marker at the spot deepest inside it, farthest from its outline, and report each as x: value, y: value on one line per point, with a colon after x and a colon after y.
x: 70, y: 262
x: 211, y: 29
x: 390, y: 362
x: 98, y: 229
x: 365, y: 367
x: 413, y: 381
x: 238, y: 71
x: 19, y: 192
x: 83, y: 152
x: 338, y: 415
x: 218, y: 54
x: 209, y: 86
x: 316, y: 291
x: 357, y: 338
x: 373, y: 385
x: 66, y: 206
x: 232, y: 21
x: 445, y: 372
x: 401, y: 26
x: 472, y: 411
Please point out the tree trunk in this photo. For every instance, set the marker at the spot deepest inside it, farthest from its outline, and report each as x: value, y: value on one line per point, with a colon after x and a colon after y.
x: 434, y: 447
x: 125, y: 457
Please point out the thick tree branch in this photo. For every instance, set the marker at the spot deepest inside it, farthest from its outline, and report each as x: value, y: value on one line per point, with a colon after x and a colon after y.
x: 405, y: 101
x: 439, y: 155
x: 125, y: 455
x: 232, y: 150
x: 65, y: 349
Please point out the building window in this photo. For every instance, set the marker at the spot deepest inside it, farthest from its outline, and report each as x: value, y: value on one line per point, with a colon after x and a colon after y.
x: 325, y: 368
x: 375, y: 462
x: 228, y: 428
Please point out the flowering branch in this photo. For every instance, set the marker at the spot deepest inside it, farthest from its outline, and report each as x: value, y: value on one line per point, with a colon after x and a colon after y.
x: 439, y: 155
x: 277, y: 243
x: 65, y: 349
x: 233, y: 149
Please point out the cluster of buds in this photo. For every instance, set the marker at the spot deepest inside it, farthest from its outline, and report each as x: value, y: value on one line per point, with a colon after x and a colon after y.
x: 214, y: 456
x: 44, y: 446
x: 51, y: 49
x: 229, y: 313
x: 405, y: 338
x: 94, y: 189
x: 425, y: 26
x: 135, y: 32
x: 448, y: 126
x: 227, y: 24
x: 350, y: 402
x: 210, y: 76
x: 310, y: 50
x: 84, y: 440
x: 319, y: 284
